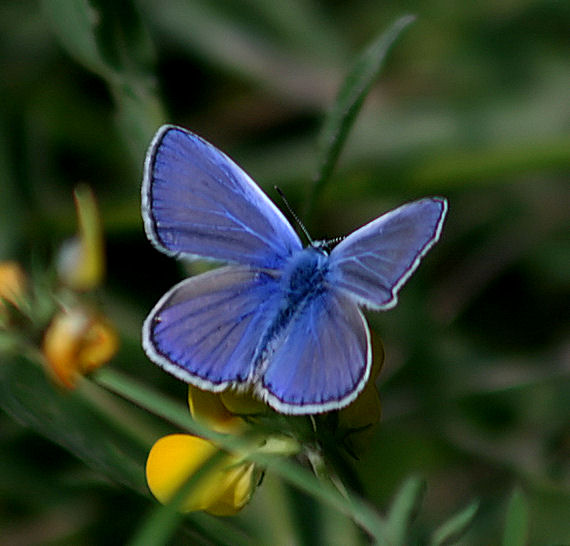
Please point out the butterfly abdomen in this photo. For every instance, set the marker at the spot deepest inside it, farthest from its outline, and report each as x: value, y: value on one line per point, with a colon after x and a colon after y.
x: 301, y: 282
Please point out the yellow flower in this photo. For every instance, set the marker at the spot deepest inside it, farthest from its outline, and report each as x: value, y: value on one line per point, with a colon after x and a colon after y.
x: 77, y: 342
x: 221, y: 411
x: 81, y: 262
x: 207, y: 408
x: 226, y: 488
x: 223, y: 491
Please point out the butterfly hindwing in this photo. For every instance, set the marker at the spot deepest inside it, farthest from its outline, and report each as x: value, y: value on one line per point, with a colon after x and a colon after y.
x: 373, y: 263
x: 197, y: 202
x: 321, y: 361
x: 205, y: 330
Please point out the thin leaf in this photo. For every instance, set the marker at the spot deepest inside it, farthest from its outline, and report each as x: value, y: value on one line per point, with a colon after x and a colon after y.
x: 106, y: 37
x: 404, y: 509
x: 73, y: 421
x: 516, y: 525
x: 454, y: 528
x: 110, y: 39
x: 355, y: 87
x: 74, y: 24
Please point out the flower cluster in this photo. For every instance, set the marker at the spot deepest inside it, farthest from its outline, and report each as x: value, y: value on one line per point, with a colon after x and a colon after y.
x: 228, y: 486
x: 77, y: 338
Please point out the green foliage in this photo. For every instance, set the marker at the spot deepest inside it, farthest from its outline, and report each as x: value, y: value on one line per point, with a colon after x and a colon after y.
x: 470, y: 102
x: 516, y: 525
x: 404, y: 509
x: 453, y: 529
x: 82, y: 422
x: 338, y: 122
x: 109, y: 39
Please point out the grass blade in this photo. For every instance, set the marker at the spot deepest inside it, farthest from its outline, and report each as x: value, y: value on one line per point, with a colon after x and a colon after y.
x: 453, y: 529
x: 349, y: 100
x: 404, y: 508
x: 516, y: 526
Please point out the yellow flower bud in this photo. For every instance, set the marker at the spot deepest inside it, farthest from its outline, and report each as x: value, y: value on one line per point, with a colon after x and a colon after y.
x: 13, y: 283
x: 81, y: 261
x: 78, y: 342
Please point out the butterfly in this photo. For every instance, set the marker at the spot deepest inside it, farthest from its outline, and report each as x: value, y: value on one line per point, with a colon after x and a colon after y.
x: 279, y: 320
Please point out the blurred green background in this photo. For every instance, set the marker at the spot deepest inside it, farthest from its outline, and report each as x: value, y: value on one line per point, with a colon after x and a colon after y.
x: 472, y: 104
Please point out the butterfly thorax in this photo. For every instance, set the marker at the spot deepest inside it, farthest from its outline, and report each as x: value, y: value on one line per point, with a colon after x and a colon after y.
x: 303, y: 275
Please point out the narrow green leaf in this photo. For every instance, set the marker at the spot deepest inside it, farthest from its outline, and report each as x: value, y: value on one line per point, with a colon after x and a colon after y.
x: 74, y: 22
x: 106, y: 37
x: 154, y: 402
x: 140, y: 113
x: 109, y: 38
x: 404, y: 509
x: 90, y: 432
x: 341, y: 117
x: 453, y: 529
x: 516, y: 525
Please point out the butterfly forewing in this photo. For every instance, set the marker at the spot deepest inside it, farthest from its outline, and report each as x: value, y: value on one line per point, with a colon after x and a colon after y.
x: 197, y: 202
x: 373, y: 263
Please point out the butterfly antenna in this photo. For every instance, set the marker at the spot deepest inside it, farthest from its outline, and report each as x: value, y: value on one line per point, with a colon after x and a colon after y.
x: 292, y: 213
x: 336, y: 240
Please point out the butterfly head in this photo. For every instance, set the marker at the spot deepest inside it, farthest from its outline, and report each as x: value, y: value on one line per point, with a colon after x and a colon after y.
x: 326, y: 246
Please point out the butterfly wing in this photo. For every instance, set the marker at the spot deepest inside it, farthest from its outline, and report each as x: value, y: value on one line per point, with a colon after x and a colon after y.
x: 374, y: 262
x: 206, y: 329
x: 197, y: 202
x: 322, y: 360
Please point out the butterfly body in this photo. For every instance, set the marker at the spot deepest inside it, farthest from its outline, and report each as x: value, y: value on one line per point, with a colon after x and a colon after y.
x: 301, y: 283
x: 279, y: 319
x: 304, y: 275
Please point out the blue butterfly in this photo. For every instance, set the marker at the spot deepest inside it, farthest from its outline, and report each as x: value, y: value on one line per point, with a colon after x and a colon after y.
x: 281, y: 320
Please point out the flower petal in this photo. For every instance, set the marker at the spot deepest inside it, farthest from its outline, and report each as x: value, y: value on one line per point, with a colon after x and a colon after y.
x: 207, y: 408
x: 237, y: 493
x: 81, y: 262
x: 242, y: 403
x: 171, y: 461
x: 77, y: 342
